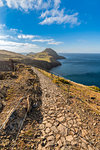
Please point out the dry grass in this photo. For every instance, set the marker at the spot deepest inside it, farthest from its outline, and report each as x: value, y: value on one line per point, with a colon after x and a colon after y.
x: 42, y: 56
x: 89, y: 96
x: 6, y: 55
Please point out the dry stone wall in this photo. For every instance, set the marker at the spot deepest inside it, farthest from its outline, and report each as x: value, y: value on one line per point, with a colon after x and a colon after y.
x: 6, y: 66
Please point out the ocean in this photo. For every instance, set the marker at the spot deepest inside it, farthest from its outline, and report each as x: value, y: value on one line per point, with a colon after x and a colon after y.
x: 80, y: 68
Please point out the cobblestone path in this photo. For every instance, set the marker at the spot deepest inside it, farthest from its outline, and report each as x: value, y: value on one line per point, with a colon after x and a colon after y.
x: 61, y: 128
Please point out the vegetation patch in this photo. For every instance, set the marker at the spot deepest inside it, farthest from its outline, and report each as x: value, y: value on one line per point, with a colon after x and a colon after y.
x: 64, y: 81
x: 95, y: 88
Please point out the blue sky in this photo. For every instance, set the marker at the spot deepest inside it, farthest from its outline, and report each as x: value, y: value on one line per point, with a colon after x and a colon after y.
x: 64, y: 25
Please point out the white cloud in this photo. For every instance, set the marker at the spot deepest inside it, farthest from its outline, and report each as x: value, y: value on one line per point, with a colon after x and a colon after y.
x: 28, y: 4
x: 20, y: 4
x: 2, y: 26
x: 1, y: 3
x: 14, y: 30
x: 14, y: 40
x: 18, y: 47
x: 23, y: 36
x: 30, y: 37
x: 42, y: 40
x: 49, y: 41
x: 5, y: 37
x: 52, y: 13
x: 57, y: 3
x: 58, y: 17
x: 42, y: 4
x: 54, y: 43
x: 55, y: 15
x: 32, y: 4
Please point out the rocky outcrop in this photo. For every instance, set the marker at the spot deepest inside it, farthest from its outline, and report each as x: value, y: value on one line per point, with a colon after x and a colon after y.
x: 53, y: 53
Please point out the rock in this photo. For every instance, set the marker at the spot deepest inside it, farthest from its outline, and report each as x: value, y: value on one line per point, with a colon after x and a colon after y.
x: 57, y: 136
x: 84, y: 145
x: 90, y: 148
x: 61, y: 119
x: 48, y: 125
x: 50, y: 143
x: 39, y: 147
x: 84, y: 132
x: 54, y: 129
x: 41, y: 126
x: 50, y: 138
x: 74, y: 143
x: 59, y: 143
x: 70, y: 122
x: 69, y: 138
x: 63, y: 140
x: 56, y: 124
x: 62, y: 148
x: 47, y: 130
x: 61, y: 128
x: 66, y: 131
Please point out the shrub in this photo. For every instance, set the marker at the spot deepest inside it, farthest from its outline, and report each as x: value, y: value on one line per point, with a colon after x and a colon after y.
x: 56, y: 81
x: 64, y: 81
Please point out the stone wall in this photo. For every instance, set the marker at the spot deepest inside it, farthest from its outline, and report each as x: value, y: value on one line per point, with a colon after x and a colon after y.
x: 6, y: 66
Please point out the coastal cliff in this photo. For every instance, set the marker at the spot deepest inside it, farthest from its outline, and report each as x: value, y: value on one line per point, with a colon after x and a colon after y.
x: 46, y: 59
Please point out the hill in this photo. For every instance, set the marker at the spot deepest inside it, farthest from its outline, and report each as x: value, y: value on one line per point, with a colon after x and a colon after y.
x: 6, y: 55
x: 52, y: 53
x: 48, y: 55
x: 45, y: 60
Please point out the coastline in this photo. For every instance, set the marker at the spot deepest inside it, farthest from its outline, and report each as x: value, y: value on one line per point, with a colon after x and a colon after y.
x: 80, y: 68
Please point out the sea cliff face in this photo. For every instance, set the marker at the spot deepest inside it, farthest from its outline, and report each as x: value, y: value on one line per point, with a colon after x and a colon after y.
x: 43, y: 64
x: 46, y: 60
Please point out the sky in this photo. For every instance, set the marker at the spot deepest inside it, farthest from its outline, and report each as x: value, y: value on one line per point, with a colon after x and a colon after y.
x: 68, y: 26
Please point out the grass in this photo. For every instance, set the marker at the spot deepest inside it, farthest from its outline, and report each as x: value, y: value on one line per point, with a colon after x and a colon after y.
x: 43, y: 56
x: 95, y: 88
x: 64, y: 81
x: 6, y: 55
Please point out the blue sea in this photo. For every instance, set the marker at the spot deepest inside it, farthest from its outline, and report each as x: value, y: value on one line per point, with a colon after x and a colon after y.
x: 80, y: 68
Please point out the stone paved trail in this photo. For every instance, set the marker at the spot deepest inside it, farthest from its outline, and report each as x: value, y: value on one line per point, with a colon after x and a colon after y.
x: 61, y: 128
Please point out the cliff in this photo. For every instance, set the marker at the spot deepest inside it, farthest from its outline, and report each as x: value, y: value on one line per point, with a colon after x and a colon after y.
x: 46, y: 59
